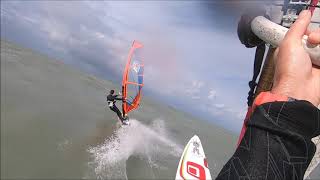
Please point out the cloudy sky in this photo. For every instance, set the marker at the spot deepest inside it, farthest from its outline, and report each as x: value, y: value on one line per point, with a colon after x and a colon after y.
x: 195, y: 61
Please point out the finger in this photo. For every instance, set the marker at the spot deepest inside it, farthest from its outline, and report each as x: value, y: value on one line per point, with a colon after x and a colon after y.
x: 316, y: 68
x: 299, y: 28
x: 308, y: 31
x: 314, y: 37
x: 275, y: 54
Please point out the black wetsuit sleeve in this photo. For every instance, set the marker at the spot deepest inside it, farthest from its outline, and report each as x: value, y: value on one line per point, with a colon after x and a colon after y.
x: 277, y: 143
x: 117, y: 98
x: 113, y: 97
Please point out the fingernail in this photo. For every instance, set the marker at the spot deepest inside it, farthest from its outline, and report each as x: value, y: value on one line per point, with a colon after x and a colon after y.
x: 304, y: 13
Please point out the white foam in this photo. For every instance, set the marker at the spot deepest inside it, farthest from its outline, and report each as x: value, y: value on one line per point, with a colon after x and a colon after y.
x: 109, y: 158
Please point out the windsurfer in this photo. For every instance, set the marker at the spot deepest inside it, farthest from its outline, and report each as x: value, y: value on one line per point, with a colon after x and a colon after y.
x: 277, y: 142
x: 112, y: 99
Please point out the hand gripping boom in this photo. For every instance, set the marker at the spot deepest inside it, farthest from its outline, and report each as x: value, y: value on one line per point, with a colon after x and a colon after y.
x: 273, y: 34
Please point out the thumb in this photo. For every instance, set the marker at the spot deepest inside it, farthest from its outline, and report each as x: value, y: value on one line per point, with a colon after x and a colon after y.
x: 314, y: 37
x: 299, y: 28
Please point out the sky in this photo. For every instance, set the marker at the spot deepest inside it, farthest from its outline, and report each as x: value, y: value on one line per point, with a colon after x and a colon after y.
x: 194, y: 60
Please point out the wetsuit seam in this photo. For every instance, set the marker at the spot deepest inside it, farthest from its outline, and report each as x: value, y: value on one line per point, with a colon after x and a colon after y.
x: 280, y: 112
x: 269, y: 107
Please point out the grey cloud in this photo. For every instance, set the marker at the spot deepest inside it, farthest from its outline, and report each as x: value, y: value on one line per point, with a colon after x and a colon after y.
x: 65, y: 29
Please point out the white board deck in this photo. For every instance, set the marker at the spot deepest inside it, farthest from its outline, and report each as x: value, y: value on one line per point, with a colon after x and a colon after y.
x: 193, y: 163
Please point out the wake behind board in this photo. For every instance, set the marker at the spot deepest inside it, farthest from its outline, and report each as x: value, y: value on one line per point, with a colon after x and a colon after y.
x: 124, y: 122
x: 193, y: 163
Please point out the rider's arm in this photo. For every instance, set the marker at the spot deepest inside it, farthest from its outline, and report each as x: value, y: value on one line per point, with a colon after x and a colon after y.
x: 277, y: 143
x: 118, y: 98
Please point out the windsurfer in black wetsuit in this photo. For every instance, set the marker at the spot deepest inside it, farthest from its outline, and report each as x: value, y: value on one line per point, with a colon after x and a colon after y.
x: 277, y: 143
x: 112, y: 99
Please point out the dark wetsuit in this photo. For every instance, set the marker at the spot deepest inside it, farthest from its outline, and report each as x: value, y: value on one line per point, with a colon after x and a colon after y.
x: 277, y: 143
x: 112, y: 104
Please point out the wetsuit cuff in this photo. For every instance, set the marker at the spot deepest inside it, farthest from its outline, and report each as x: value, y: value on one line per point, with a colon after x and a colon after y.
x: 289, y: 117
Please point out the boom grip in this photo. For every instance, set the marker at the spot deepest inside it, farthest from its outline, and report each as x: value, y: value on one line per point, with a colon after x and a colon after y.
x: 273, y: 34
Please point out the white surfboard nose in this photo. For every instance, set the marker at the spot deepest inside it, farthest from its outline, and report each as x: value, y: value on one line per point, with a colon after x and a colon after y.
x: 193, y: 163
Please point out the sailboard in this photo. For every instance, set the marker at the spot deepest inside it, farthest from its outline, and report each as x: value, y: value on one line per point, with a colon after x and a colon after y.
x: 193, y: 163
x: 132, y: 80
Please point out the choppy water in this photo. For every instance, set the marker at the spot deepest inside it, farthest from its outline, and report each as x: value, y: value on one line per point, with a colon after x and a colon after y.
x: 149, y: 144
x: 55, y: 125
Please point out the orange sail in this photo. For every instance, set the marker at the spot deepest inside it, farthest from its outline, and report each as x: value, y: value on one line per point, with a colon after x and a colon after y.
x: 132, y: 81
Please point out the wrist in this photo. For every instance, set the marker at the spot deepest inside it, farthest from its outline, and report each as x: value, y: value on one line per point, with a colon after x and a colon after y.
x: 284, y: 90
x: 298, y: 93
x: 266, y: 97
